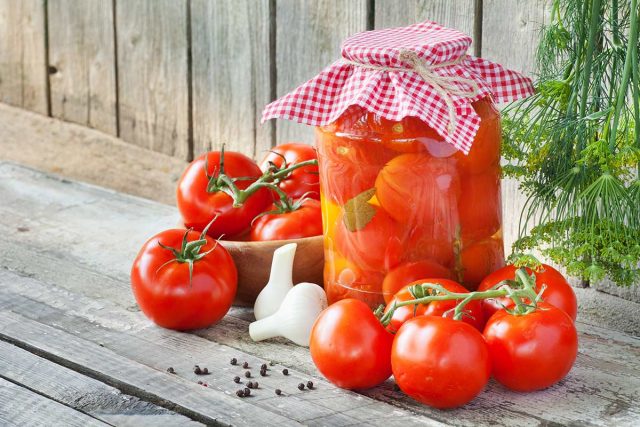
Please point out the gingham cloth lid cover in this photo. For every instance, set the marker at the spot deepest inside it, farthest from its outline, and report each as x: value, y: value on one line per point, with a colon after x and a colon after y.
x: 397, y: 93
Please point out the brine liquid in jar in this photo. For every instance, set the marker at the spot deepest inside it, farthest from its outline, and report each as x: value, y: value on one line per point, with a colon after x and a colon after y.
x: 399, y: 204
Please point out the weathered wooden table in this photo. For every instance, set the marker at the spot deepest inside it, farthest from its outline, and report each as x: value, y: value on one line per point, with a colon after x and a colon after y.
x: 75, y: 349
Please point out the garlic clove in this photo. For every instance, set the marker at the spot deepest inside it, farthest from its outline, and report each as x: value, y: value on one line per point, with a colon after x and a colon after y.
x: 295, y: 317
x: 279, y: 284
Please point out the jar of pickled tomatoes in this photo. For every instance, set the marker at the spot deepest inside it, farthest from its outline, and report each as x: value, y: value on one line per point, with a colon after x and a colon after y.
x: 400, y: 204
x: 408, y: 140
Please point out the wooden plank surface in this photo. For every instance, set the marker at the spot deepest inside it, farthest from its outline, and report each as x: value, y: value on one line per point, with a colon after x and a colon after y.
x: 23, y: 68
x: 458, y: 14
x: 152, y: 47
x: 87, y: 297
x: 308, y: 38
x: 231, y: 75
x: 20, y: 407
x: 82, y: 63
x: 82, y: 393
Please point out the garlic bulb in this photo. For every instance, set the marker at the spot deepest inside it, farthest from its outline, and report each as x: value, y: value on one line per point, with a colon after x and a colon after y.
x: 279, y: 284
x: 296, y: 316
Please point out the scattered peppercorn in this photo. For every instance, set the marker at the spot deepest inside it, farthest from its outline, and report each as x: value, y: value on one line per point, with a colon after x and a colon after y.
x: 245, y: 365
x: 171, y: 370
x: 301, y: 386
x: 240, y: 393
x: 200, y: 382
x: 255, y: 384
x: 285, y: 371
x: 250, y: 384
x: 247, y: 374
x: 236, y: 380
x: 247, y: 392
x: 278, y: 391
x: 205, y: 371
x: 309, y: 384
x: 197, y: 370
x: 234, y: 361
x: 263, y: 367
x: 205, y: 384
x: 263, y: 373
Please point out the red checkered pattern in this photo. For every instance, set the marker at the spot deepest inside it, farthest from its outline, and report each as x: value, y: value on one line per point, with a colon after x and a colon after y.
x: 395, y: 94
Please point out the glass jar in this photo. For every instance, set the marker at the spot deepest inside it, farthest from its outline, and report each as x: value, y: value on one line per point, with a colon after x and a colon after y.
x: 400, y: 204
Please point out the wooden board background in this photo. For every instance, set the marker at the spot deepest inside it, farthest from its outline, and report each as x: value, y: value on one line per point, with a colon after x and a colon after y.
x: 183, y: 76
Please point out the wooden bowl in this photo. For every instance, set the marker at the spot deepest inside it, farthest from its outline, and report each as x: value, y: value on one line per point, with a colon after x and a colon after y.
x: 253, y: 260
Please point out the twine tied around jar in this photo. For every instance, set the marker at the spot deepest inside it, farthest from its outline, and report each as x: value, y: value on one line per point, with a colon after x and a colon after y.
x: 443, y: 85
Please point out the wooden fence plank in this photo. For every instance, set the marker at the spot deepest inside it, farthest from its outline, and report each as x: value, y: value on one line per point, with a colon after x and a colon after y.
x: 82, y: 393
x: 308, y: 38
x: 82, y: 54
x: 510, y: 33
x: 458, y: 14
x: 21, y: 407
x: 152, y: 46
x: 231, y: 75
x: 23, y: 68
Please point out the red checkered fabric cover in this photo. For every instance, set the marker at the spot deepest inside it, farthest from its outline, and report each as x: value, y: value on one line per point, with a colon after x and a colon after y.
x: 373, y: 75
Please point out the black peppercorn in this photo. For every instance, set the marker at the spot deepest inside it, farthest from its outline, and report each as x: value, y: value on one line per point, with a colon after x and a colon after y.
x: 240, y: 393
x: 263, y: 373
x: 236, y: 380
x: 247, y: 374
x: 171, y: 370
x: 263, y: 367
x: 234, y: 361
x: 245, y: 365
x: 255, y: 384
x: 197, y: 370
x: 200, y: 382
x: 309, y: 384
x: 301, y: 386
x: 247, y: 392
x: 278, y: 391
x: 285, y: 371
x: 205, y: 371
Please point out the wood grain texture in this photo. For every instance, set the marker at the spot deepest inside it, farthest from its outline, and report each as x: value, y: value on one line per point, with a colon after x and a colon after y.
x: 231, y: 75
x: 152, y: 46
x: 308, y: 38
x: 82, y: 393
x: 82, y: 54
x: 23, y: 68
x: 88, y: 297
x: 510, y: 31
x: 20, y: 407
x: 458, y: 14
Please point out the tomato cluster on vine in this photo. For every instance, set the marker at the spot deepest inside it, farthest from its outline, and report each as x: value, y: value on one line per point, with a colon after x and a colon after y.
x: 442, y: 343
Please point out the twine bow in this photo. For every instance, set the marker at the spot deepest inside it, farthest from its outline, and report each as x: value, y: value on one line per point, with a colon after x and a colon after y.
x: 444, y: 85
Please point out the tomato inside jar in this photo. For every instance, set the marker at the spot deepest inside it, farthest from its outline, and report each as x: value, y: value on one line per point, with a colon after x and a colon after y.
x: 395, y: 195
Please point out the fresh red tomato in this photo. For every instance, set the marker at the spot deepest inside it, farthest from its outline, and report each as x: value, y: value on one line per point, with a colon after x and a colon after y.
x: 348, y: 166
x: 474, y: 314
x: 416, y: 188
x: 165, y: 292
x: 375, y: 246
x: 409, y: 272
x: 198, y: 207
x: 480, y: 209
x: 440, y: 362
x: 532, y: 351
x: 304, y: 180
x: 350, y: 347
x: 558, y: 292
x: 479, y: 260
x: 305, y: 221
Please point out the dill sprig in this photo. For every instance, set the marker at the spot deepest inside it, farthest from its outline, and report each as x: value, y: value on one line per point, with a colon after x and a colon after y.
x: 575, y: 144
